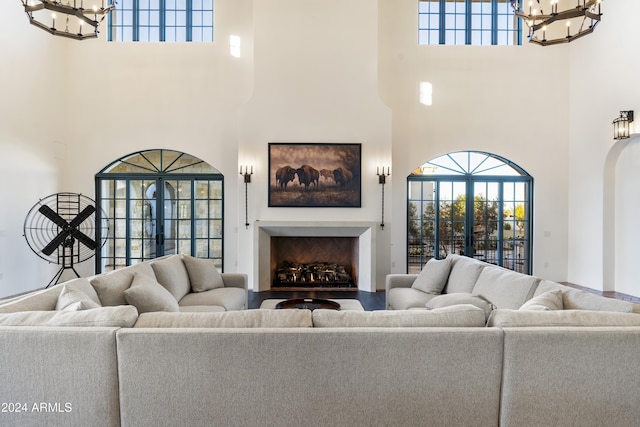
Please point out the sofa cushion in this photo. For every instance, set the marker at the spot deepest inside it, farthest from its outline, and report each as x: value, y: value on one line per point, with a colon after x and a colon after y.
x: 172, y: 274
x: 548, y: 285
x: 203, y: 274
x: 575, y: 299
x: 551, y: 300
x: 529, y: 318
x: 229, y: 298
x: 464, y: 274
x: 232, y: 319
x: 43, y: 300
x: 505, y: 288
x: 404, y: 298
x: 110, y: 286
x: 201, y: 308
x: 73, y: 299
x: 448, y: 300
x: 433, y: 276
x: 455, y: 316
x: 121, y: 316
x: 83, y: 285
x: 148, y: 295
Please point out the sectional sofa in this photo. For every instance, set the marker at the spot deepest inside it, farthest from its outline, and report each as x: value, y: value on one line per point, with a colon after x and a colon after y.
x: 436, y: 367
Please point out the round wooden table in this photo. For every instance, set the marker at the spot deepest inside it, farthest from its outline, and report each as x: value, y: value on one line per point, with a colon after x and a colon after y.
x: 308, y: 303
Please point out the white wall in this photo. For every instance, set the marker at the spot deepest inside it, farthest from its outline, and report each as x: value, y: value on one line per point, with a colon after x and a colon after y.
x: 315, y: 80
x: 31, y: 131
x: 604, y: 67
x: 511, y: 101
x: 127, y: 97
x: 312, y: 71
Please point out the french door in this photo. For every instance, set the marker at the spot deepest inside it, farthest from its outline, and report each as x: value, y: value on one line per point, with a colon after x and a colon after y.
x: 487, y: 217
x: 157, y: 214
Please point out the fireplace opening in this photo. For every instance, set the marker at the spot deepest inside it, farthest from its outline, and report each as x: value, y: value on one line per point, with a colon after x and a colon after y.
x: 314, y: 262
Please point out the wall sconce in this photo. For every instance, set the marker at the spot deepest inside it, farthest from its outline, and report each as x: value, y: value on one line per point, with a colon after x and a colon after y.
x: 247, y: 179
x: 382, y: 179
x: 621, y: 128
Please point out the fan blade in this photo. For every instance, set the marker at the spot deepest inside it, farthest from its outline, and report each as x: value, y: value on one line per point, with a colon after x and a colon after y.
x: 53, y: 245
x: 79, y: 219
x: 53, y: 216
x: 84, y: 239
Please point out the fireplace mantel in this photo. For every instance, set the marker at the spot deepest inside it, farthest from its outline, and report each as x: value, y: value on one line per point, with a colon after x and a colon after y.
x: 364, y: 231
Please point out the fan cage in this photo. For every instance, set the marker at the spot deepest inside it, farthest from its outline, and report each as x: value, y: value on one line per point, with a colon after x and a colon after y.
x: 39, y: 230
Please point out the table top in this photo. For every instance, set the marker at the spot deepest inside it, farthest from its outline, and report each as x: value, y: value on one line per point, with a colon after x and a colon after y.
x: 308, y: 303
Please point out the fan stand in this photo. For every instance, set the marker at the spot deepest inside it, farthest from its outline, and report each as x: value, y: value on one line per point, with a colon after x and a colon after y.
x: 68, y: 243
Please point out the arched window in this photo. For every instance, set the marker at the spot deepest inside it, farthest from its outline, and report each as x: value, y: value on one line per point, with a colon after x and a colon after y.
x: 470, y: 203
x: 160, y: 202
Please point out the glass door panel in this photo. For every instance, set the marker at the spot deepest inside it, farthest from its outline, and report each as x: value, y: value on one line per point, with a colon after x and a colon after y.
x: 421, y: 238
x: 516, y: 226
x: 469, y: 203
x: 452, y: 222
x: 486, y: 222
x: 159, y: 202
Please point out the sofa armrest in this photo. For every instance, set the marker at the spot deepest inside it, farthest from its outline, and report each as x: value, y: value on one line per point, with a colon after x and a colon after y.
x: 235, y: 280
x: 399, y: 281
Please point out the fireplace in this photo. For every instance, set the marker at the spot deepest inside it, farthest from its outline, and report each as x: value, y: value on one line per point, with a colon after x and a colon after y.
x: 350, y: 245
x: 314, y: 262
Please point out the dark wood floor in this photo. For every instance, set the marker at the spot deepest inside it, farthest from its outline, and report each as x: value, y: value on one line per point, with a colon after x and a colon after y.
x: 376, y: 300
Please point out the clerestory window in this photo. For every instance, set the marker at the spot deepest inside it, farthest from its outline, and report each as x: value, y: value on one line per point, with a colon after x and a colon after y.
x: 162, y: 21
x: 468, y: 22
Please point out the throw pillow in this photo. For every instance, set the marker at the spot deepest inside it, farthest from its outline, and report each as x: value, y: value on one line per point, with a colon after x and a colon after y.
x: 447, y: 300
x: 547, y: 301
x: 203, y: 274
x: 172, y: 274
x: 110, y: 287
x: 148, y: 295
x: 433, y: 276
x: 72, y: 300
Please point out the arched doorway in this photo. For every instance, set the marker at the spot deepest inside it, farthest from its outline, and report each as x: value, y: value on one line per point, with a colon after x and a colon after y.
x: 620, y: 225
x: 470, y: 203
x: 160, y: 202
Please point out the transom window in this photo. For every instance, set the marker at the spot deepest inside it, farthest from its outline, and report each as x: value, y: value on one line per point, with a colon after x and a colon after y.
x: 162, y: 20
x: 471, y: 22
x: 470, y: 203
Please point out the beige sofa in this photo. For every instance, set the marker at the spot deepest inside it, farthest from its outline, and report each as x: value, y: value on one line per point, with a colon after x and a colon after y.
x: 294, y: 367
x: 437, y: 367
x: 174, y: 283
x: 508, y: 298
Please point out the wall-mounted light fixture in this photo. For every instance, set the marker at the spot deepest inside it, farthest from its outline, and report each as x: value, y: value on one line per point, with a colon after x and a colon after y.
x: 382, y: 179
x: 247, y: 179
x: 621, y: 125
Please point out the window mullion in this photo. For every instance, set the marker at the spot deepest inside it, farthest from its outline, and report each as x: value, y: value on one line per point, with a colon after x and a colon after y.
x: 189, y: 18
x: 494, y: 22
x: 163, y: 20
x: 136, y: 21
x: 443, y: 21
x: 467, y: 22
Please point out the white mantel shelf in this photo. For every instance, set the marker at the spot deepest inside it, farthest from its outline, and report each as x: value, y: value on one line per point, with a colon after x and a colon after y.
x: 364, y: 231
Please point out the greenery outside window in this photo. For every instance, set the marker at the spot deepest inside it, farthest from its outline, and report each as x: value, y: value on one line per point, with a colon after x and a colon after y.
x: 468, y: 22
x: 161, y: 21
x: 470, y: 203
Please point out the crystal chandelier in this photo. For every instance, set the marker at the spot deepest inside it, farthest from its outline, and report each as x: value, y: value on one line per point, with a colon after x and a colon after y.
x: 71, y: 19
x: 547, y: 25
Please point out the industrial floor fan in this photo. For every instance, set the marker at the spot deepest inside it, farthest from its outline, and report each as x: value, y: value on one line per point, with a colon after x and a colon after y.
x: 62, y: 229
